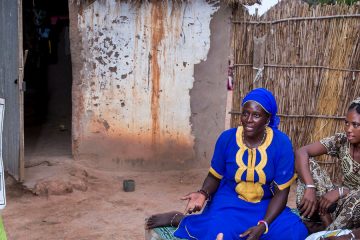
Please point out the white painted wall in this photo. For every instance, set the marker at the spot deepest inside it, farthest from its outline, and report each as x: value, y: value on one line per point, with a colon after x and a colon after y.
x: 135, y: 79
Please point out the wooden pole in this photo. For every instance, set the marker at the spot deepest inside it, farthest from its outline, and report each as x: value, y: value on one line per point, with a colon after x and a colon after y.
x: 21, y: 93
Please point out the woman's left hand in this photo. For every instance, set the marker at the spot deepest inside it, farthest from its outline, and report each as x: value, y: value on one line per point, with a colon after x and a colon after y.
x: 326, y: 200
x: 254, y: 233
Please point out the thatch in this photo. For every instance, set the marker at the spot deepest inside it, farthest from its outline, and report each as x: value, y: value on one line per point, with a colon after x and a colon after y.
x: 326, y: 76
x: 232, y: 3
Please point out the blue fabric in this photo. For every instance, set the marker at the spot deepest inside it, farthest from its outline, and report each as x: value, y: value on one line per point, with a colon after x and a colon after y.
x: 267, y: 100
x: 230, y: 211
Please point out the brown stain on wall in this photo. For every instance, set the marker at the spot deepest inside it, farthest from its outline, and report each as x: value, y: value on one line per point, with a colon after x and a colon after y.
x: 157, y: 33
x: 122, y: 152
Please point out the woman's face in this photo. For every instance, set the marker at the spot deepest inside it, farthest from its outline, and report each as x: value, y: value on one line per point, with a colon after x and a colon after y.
x: 253, y: 119
x: 352, y: 126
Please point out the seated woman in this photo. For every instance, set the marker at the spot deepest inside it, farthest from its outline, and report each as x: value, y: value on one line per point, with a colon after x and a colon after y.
x: 248, y: 163
x: 338, y: 206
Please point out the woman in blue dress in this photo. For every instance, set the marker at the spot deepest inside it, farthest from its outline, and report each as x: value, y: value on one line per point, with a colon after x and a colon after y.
x: 246, y: 189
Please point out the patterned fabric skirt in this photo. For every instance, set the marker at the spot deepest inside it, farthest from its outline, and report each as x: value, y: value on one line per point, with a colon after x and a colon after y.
x: 347, y: 212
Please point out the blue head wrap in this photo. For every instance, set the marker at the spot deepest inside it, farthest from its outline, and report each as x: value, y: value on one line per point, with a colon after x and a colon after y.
x: 267, y: 100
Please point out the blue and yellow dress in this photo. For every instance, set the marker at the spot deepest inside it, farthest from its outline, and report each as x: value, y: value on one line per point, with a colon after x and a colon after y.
x: 245, y: 190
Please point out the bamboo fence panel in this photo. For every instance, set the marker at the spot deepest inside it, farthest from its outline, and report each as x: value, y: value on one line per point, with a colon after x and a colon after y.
x: 325, y: 77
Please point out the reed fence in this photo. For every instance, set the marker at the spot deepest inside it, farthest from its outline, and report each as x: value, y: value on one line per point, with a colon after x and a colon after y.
x: 311, y: 63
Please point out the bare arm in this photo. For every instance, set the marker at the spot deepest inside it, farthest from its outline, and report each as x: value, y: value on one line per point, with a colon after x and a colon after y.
x: 302, y: 156
x: 210, y: 184
x: 277, y: 204
x: 308, y: 204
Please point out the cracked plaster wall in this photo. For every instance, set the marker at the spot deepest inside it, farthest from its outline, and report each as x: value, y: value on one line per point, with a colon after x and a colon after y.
x: 131, y: 94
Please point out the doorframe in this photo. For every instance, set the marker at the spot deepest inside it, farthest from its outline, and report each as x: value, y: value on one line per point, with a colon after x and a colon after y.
x: 21, y: 89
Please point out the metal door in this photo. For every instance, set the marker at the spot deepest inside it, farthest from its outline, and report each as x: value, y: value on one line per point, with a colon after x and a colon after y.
x: 11, y: 72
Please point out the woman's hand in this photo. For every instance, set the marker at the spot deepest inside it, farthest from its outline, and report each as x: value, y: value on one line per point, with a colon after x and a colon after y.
x: 326, y: 200
x: 196, y: 202
x: 254, y: 233
x: 308, y: 204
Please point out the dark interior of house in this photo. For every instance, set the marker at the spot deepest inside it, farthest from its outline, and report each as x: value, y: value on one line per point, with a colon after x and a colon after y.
x: 48, y: 78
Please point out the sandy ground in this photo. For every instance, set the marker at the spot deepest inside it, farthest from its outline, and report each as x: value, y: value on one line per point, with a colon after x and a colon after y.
x: 82, y: 203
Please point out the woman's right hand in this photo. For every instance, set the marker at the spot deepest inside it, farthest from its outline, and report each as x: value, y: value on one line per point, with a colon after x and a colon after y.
x: 196, y: 202
x: 254, y: 233
x: 309, y: 203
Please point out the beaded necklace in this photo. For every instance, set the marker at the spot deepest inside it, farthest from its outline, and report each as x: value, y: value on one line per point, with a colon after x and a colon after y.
x: 259, y: 144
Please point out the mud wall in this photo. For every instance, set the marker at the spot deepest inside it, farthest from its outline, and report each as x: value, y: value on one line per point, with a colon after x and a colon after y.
x: 208, y: 95
x: 133, y: 69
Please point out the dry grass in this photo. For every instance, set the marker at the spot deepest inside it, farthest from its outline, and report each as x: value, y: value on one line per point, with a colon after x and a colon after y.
x: 333, y: 42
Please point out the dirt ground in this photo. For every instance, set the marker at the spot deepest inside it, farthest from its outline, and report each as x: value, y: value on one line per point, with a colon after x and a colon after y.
x: 76, y: 202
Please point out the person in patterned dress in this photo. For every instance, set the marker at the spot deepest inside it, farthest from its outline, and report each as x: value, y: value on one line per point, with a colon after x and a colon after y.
x: 337, y: 205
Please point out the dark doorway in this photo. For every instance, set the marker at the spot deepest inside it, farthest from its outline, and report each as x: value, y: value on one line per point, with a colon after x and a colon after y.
x: 48, y: 78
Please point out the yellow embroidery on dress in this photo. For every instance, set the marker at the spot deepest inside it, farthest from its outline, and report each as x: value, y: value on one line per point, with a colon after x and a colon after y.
x: 263, y: 155
x: 242, y: 167
x: 239, y: 155
x: 249, y: 190
x: 215, y: 173
x: 250, y: 174
x: 259, y: 168
x: 288, y: 183
x: 268, y: 139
